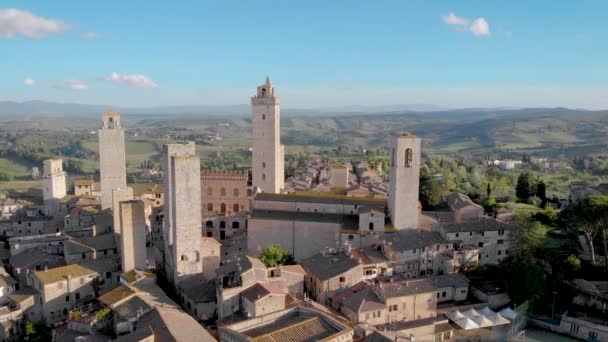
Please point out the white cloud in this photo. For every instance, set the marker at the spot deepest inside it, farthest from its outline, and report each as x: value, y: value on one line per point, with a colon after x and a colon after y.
x: 480, y: 27
x: 73, y: 85
x: 29, y: 82
x: 16, y: 22
x: 135, y: 80
x: 453, y: 19
x: 93, y: 36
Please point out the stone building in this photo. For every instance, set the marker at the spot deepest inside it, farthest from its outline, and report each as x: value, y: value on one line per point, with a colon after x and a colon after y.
x: 492, y: 239
x: 182, y: 211
x: 133, y: 235
x: 262, y: 298
x: 84, y: 187
x: 119, y: 195
x: 61, y: 289
x: 112, y: 162
x: 297, y: 323
x: 240, y: 274
x: 330, y: 272
x: 305, y: 224
x: 404, y: 182
x: 53, y: 186
x: 463, y: 208
x: 339, y: 176
x: 268, y: 153
x: 388, y: 302
x: 225, y: 203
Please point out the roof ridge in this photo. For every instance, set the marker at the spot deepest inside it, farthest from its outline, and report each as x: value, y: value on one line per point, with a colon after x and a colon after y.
x: 300, y: 323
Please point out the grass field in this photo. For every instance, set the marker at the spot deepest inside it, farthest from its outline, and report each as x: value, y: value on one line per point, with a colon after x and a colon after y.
x: 15, y: 169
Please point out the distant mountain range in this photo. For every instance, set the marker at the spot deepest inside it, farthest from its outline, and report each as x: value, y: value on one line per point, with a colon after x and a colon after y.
x: 44, y: 108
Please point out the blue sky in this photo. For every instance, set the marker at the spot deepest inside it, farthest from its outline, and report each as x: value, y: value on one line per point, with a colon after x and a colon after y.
x: 317, y: 53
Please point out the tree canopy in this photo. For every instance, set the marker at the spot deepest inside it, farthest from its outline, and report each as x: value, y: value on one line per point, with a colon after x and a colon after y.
x: 275, y: 255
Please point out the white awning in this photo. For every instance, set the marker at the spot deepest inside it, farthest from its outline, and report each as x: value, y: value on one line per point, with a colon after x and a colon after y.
x: 497, y: 319
x: 508, y: 313
x: 482, y: 321
x: 456, y: 315
x: 467, y: 324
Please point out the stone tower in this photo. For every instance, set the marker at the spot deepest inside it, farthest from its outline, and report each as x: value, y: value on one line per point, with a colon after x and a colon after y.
x: 182, y: 222
x: 53, y: 185
x: 404, y: 182
x: 112, y: 163
x: 133, y: 236
x: 268, y: 153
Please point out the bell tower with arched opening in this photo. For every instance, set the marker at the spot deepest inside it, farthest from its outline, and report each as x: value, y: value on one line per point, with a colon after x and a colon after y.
x: 267, y: 158
x: 404, y: 181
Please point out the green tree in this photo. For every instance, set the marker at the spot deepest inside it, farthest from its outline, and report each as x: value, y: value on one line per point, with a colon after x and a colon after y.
x: 275, y: 255
x: 526, y: 186
x: 5, y: 177
x: 573, y: 263
x: 590, y: 217
x: 489, y: 205
x: 527, y: 280
x: 430, y: 190
x: 37, y: 332
x: 541, y: 192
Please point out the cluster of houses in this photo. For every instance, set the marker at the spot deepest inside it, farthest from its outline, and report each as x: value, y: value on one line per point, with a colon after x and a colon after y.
x: 181, y: 260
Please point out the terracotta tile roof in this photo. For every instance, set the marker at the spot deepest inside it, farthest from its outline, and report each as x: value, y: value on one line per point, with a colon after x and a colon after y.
x: 116, y: 295
x: 321, y: 198
x: 88, y: 182
x: 484, y: 224
x: 22, y: 294
x: 406, y: 287
x: 293, y: 269
x: 328, y: 266
x: 54, y: 275
x: 310, y: 329
x: 363, y: 301
x: 346, y: 221
x: 260, y: 290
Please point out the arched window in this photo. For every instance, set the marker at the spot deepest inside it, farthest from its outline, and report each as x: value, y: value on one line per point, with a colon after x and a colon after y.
x: 184, y: 258
x: 209, y: 224
x: 263, y: 176
x: 235, y: 192
x: 263, y: 116
x: 223, y: 208
x: 222, y: 224
x: 263, y: 165
x: 209, y: 206
x: 235, y: 208
x: 235, y: 224
x: 209, y: 191
x: 223, y: 191
x: 371, y: 226
x: 408, y: 157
